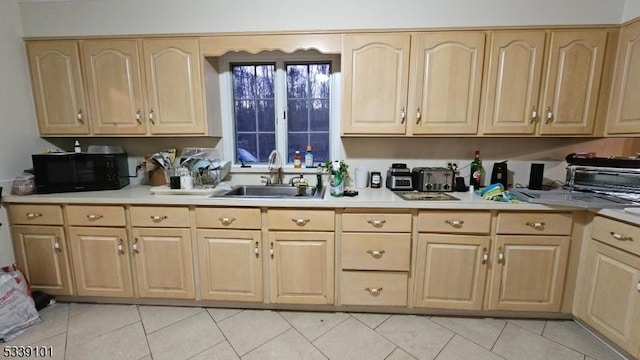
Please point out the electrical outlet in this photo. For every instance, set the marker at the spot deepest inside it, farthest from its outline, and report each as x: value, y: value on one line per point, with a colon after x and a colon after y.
x: 452, y: 164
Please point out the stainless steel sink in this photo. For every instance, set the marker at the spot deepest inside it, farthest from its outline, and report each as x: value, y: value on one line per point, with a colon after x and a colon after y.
x: 273, y: 191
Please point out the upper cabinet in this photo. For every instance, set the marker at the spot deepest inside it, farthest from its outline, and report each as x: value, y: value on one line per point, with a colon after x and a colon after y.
x: 57, y: 87
x: 442, y: 96
x: 624, y: 107
x: 519, y: 100
x: 375, y: 77
x: 134, y: 87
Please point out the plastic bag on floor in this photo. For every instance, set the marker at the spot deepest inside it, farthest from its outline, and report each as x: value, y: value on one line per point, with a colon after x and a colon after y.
x: 17, y: 310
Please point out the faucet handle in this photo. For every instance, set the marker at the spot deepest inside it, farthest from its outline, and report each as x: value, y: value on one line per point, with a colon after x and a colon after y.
x: 267, y: 178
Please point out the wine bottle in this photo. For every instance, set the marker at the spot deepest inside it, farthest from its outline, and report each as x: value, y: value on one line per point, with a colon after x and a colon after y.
x: 476, y: 171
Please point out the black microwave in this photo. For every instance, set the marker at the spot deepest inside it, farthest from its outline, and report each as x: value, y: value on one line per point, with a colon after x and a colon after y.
x: 67, y: 172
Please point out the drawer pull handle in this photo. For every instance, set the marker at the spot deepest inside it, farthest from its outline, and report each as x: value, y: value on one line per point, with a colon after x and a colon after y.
x: 485, y: 256
x: 120, y: 246
x: 271, y: 251
x: 536, y: 225
x: 500, y: 256
x: 376, y: 254
x: 56, y: 245
x: 621, y: 237
x: 32, y: 216
x: 226, y: 220
x: 135, y: 246
x: 374, y: 291
x: 158, y: 218
x: 94, y: 216
x: 377, y: 223
x: 455, y: 223
x: 256, y: 249
x: 300, y: 221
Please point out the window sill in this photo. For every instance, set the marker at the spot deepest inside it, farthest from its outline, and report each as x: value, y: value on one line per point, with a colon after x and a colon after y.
x: 261, y: 169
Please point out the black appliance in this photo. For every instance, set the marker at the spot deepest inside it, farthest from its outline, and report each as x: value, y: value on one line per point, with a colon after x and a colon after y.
x: 70, y: 172
x: 500, y: 173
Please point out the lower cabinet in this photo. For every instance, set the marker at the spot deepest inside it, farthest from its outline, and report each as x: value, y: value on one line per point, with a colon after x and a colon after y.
x: 301, y: 267
x: 528, y: 273
x: 101, y: 261
x: 451, y: 271
x: 41, y: 251
x: 230, y: 263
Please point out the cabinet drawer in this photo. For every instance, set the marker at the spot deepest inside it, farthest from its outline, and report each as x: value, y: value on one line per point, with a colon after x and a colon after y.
x: 80, y: 215
x: 36, y: 214
x: 281, y: 219
x: 155, y: 216
x: 373, y: 288
x: 616, y: 233
x: 457, y: 222
x: 534, y: 223
x: 228, y: 218
x: 376, y: 222
x: 376, y: 251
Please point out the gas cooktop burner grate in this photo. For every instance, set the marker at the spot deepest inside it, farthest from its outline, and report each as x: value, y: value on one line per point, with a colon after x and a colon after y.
x: 424, y: 196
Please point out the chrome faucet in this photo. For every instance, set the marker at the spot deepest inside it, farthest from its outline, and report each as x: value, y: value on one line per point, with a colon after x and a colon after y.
x: 275, y: 163
x: 296, y: 180
x: 267, y: 178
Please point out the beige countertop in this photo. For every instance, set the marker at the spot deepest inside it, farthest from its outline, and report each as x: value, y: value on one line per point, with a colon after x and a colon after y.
x: 367, y: 198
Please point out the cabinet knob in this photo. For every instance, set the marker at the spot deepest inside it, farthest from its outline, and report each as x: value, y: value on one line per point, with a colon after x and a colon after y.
x: 621, y: 237
x: 536, y: 225
x: 120, y: 246
x: 638, y: 286
x: 134, y: 247
x: 56, y: 245
x: 151, y: 117
x: 226, y: 220
x: 256, y: 249
x: 455, y: 223
x: 534, y: 114
x: 373, y: 291
x: 418, y: 116
x: 376, y: 254
x: 549, y: 119
x: 377, y: 223
x: 271, y: 252
x: 500, y: 255
x: 485, y: 256
x: 403, y: 115
x: 79, y: 117
x: 158, y: 218
x: 32, y: 216
x: 138, y: 117
x: 92, y: 217
x: 300, y: 221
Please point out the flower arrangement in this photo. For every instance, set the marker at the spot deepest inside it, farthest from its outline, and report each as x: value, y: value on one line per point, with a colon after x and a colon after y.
x: 344, y: 168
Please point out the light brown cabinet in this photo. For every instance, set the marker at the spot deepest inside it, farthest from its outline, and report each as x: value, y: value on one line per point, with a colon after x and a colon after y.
x: 452, y: 259
x: 529, y: 270
x: 609, y: 300
x: 230, y: 254
x: 301, y: 256
x: 58, y: 89
x: 624, y: 108
x: 150, y: 86
x: 519, y: 100
x: 162, y: 252
x: 41, y: 250
x: 442, y: 96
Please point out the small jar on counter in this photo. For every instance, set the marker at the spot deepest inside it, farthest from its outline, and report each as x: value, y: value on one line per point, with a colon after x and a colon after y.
x: 24, y: 185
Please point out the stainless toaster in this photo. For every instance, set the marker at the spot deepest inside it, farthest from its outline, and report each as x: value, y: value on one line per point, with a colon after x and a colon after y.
x: 432, y: 179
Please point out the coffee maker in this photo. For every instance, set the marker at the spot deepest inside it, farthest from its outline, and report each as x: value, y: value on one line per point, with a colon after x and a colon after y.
x: 500, y: 173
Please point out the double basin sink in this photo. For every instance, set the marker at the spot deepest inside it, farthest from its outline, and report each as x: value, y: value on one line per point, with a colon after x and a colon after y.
x: 273, y: 192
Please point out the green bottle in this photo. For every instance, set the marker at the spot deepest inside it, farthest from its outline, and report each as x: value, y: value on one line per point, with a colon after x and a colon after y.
x: 476, y: 171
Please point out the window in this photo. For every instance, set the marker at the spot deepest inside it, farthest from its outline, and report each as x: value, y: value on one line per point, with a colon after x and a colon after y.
x: 279, y: 101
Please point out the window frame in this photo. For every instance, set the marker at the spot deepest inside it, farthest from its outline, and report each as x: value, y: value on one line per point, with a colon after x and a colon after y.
x: 280, y: 59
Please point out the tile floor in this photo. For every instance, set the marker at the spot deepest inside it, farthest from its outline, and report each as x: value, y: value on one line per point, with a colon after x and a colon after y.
x: 92, y: 331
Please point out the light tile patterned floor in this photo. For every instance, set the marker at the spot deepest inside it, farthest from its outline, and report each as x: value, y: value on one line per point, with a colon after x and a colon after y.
x: 91, y: 331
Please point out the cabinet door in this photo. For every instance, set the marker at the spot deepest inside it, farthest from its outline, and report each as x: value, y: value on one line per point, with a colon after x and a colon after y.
x: 451, y: 271
x: 510, y: 101
x: 624, y: 107
x: 230, y: 263
x: 174, y: 86
x: 114, y: 86
x: 301, y: 267
x: 528, y: 273
x: 101, y: 261
x: 611, y: 294
x: 572, y: 82
x: 57, y: 87
x: 375, y: 77
x: 41, y: 251
x: 164, y: 265
x: 447, y: 78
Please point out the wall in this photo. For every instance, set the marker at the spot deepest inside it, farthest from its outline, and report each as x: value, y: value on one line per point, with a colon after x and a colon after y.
x: 631, y: 10
x: 18, y: 136
x: 99, y: 17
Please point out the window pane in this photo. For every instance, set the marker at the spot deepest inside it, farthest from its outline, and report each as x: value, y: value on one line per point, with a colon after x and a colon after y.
x: 308, y: 109
x: 254, y: 111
